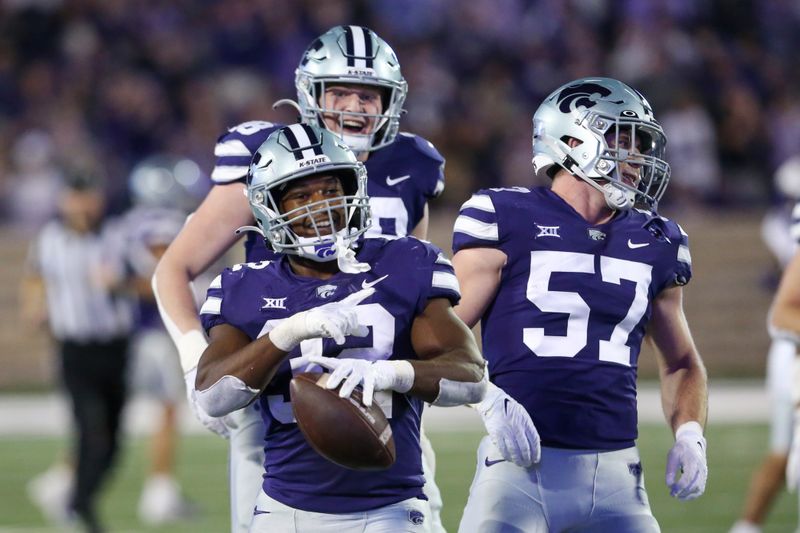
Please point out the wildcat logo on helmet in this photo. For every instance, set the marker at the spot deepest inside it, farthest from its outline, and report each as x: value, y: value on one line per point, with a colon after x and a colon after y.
x: 584, y: 95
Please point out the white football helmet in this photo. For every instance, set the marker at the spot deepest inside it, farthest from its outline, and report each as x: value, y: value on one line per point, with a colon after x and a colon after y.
x: 299, y: 151
x: 589, y: 110
x: 352, y: 55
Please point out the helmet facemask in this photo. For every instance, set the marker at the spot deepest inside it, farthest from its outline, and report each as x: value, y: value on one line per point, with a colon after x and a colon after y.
x: 639, y: 146
x: 343, y: 218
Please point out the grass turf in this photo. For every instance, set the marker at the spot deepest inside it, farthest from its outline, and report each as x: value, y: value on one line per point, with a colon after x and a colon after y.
x: 734, y: 452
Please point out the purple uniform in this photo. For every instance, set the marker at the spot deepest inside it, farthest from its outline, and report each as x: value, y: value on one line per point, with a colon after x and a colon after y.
x: 148, y: 227
x: 401, y: 179
x: 255, y: 297
x: 564, y: 331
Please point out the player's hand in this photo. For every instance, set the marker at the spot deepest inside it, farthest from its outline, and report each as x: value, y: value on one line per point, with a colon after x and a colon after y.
x: 793, y: 464
x: 371, y: 375
x: 687, y: 458
x: 510, y: 427
x: 216, y: 425
x: 335, y: 320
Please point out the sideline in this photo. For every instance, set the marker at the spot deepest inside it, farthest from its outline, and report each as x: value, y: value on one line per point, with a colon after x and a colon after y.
x: 48, y: 414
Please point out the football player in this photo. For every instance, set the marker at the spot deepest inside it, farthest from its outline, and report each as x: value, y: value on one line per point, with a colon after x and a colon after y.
x: 566, y: 281
x: 784, y: 324
x: 348, y: 81
x: 377, y: 312
x: 779, y: 230
x: 163, y: 190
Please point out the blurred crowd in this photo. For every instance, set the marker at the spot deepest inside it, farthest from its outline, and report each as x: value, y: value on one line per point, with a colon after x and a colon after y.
x: 100, y: 85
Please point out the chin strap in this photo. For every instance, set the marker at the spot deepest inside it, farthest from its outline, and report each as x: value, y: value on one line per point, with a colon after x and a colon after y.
x: 346, y: 258
x: 617, y: 197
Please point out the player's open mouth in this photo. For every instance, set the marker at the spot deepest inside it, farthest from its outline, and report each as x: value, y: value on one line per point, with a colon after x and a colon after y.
x: 629, y: 178
x: 354, y: 126
x: 323, y: 224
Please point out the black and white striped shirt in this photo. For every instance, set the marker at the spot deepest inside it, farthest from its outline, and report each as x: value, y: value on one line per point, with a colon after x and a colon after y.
x: 80, y: 307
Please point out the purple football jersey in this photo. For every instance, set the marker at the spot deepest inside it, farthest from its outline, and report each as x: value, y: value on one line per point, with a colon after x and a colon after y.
x: 400, y: 179
x: 255, y: 297
x: 564, y: 331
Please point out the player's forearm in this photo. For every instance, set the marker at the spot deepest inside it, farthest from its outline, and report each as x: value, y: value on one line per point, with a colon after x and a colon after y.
x: 684, y: 392
x: 443, y: 374
x: 230, y: 377
x: 172, y: 290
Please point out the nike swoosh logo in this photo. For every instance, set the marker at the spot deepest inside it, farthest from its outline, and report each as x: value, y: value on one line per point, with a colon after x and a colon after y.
x: 634, y: 245
x: 487, y: 462
x: 258, y: 511
x: 367, y: 285
x: 505, y: 406
x: 390, y: 181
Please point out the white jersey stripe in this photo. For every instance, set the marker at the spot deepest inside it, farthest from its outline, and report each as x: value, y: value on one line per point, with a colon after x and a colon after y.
x: 476, y: 228
x: 446, y: 280
x: 231, y: 148
x: 480, y: 201
x: 211, y: 306
x: 683, y: 255
x: 226, y: 173
x: 216, y: 283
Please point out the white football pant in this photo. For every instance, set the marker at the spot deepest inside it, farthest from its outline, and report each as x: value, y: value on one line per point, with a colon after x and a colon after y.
x: 246, y: 468
x: 568, y: 490
x: 780, y: 375
x: 408, y: 516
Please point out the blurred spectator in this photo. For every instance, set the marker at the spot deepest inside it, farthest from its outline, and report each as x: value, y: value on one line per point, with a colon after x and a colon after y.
x: 692, y: 152
x: 139, y: 77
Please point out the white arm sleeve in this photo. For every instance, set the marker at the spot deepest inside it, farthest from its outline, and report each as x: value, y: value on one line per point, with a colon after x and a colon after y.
x: 227, y: 395
x: 452, y: 393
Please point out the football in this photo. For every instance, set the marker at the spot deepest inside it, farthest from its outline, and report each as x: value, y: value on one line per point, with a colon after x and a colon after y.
x: 343, y: 430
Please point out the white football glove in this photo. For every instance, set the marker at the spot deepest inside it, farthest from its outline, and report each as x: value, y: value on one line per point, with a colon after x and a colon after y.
x: 793, y: 465
x: 372, y: 375
x: 687, y: 457
x: 217, y: 425
x: 335, y: 320
x: 510, y: 427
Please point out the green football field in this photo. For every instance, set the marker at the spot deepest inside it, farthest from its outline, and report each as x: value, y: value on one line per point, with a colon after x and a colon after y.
x: 734, y: 450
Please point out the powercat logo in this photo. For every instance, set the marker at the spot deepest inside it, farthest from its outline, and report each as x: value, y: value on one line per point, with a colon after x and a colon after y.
x: 584, y: 95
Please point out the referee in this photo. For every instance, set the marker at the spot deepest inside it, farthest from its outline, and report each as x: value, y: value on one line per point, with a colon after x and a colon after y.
x: 76, y: 266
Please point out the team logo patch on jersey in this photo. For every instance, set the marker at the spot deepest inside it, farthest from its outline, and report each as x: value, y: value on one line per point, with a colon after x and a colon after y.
x: 326, y: 291
x: 547, y: 231
x: 274, y: 303
x: 416, y: 517
x: 596, y: 235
